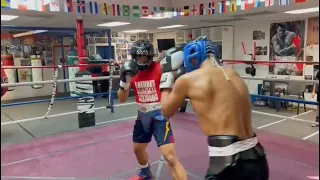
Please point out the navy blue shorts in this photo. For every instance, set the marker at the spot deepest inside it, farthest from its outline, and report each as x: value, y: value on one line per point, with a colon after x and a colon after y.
x: 159, y: 128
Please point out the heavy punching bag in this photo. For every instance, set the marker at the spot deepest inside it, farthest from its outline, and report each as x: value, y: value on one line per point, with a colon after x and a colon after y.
x: 36, y: 73
x: 11, y: 74
x: 72, y: 59
x: 85, y: 104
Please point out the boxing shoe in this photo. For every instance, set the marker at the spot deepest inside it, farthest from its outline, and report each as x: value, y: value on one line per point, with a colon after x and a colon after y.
x: 144, y: 174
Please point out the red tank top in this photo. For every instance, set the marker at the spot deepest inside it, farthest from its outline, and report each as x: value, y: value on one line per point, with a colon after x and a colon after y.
x: 146, y: 84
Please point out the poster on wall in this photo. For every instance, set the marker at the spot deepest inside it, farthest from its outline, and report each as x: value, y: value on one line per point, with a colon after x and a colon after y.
x: 313, y: 31
x: 286, y: 44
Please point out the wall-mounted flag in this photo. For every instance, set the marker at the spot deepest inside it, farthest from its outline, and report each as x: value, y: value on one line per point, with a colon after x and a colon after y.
x: 257, y: 3
x: 211, y: 8
x: 186, y: 10
x: 154, y: 11
x: 135, y: 11
x: 194, y: 10
x: 81, y: 6
x: 53, y: 6
x: 283, y: 2
x: 233, y: 6
x: 171, y: 12
x: 105, y: 9
x: 162, y: 11
x: 68, y: 6
x: 115, y: 9
x: 201, y: 9
x: 5, y: 4
x: 93, y: 7
x: 145, y: 11
x: 244, y: 5
x: 178, y: 12
x: 223, y: 7
x: 269, y: 3
x: 126, y: 10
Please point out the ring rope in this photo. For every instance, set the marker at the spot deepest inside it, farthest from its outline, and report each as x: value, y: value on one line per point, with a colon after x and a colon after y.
x: 54, y: 90
x: 56, y: 99
x: 270, y: 62
x: 118, y: 105
x: 57, y: 115
x: 281, y: 80
x: 53, y: 67
x: 58, y: 81
x: 117, y: 76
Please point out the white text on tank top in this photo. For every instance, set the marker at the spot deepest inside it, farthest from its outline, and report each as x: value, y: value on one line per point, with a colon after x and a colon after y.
x: 146, y: 91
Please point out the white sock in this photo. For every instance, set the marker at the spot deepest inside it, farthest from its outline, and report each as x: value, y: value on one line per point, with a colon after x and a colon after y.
x: 144, y: 166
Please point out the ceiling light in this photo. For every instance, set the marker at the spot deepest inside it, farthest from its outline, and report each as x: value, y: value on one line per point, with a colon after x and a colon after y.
x: 8, y: 17
x: 113, y: 24
x: 171, y: 27
x: 29, y: 33
x: 135, y: 31
x: 302, y: 11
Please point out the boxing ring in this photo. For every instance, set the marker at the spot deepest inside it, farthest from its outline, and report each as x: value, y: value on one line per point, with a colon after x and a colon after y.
x: 53, y: 146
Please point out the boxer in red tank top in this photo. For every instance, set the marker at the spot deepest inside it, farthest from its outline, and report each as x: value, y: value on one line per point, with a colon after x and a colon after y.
x: 143, y: 75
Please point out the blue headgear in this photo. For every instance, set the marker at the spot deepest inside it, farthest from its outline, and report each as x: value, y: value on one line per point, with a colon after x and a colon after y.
x: 197, y: 51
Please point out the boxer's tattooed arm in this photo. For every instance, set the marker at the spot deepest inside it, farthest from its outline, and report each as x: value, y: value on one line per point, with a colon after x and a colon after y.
x: 172, y: 100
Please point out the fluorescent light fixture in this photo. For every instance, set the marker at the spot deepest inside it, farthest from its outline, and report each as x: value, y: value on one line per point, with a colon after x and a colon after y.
x: 29, y: 33
x: 155, y: 17
x: 172, y: 26
x: 135, y: 31
x: 8, y: 17
x: 303, y: 11
x: 113, y: 24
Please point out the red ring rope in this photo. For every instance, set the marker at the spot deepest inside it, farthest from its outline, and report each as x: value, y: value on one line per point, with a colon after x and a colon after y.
x: 53, y: 67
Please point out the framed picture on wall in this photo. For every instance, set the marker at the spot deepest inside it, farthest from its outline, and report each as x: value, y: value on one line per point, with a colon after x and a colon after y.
x: 133, y: 38
x: 287, y: 44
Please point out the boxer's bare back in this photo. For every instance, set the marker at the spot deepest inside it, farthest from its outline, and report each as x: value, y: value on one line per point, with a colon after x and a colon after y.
x: 223, y: 107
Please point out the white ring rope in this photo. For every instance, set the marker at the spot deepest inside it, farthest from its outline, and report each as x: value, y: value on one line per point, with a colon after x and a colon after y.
x: 118, y: 105
x: 54, y: 90
x: 57, y: 115
x: 281, y: 79
x: 58, y: 81
x: 117, y: 76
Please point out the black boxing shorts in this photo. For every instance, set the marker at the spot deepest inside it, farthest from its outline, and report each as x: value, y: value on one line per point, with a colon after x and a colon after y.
x: 232, y: 159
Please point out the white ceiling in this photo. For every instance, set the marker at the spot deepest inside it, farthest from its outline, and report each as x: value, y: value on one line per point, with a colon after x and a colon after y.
x: 62, y: 19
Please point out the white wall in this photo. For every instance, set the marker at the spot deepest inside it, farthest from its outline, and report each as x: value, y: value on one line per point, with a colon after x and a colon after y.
x: 243, y: 34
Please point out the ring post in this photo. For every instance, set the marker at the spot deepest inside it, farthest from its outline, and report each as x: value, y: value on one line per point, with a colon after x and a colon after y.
x: 110, y: 97
x: 85, y: 105
x: 112, y: 102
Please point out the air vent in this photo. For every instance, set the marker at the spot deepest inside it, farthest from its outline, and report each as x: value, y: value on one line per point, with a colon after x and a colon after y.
x: 261, y: 13
x: 225, y: 20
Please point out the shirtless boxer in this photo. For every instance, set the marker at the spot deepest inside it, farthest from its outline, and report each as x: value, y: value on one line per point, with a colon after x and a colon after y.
x: 222, y: 102
x: 143, y: 75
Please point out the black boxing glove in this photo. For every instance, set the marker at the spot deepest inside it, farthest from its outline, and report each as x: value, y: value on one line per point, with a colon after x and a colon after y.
x: 127, y: 71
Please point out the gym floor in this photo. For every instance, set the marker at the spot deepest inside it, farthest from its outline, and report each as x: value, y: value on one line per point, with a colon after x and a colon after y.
x: 56, y: 148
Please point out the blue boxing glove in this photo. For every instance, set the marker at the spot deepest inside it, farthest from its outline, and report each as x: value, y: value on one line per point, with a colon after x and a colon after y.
x: 172, y: 67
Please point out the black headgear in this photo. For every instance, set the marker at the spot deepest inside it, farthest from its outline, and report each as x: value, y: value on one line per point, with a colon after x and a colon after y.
x: 142, y: 48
